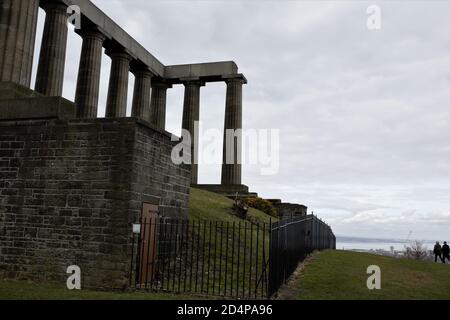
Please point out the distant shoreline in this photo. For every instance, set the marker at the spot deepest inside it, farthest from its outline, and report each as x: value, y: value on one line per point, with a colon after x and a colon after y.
x: 381, y: 240
x: 372, y: 244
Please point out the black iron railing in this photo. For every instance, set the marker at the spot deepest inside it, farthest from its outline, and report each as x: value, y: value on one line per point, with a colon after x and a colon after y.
x: 226, y: 259
x: 291, y: 241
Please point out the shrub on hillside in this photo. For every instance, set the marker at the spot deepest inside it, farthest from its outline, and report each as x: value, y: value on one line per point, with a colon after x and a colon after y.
x: 417, y: 251
x: 262, y: 205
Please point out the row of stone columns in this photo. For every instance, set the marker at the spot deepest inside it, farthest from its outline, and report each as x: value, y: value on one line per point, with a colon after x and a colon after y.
x: 149, y: 98
x: 18, y: 23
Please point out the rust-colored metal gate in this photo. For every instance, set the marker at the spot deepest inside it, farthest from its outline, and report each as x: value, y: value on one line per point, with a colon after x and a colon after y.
x: 148, y: 250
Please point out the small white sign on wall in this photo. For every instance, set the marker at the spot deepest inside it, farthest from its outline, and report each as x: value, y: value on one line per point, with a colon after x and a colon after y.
x: 136, y: 228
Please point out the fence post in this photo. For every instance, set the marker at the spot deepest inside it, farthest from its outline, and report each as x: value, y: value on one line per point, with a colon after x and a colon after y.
x: 251, y: 263
x: 257, y: 260
x: 270, y: 284
x: 232, y: 259
x: 215, y: 258
x: 132, y: 257
x: 203, y: 256
x: 209, y: 256
x: 226, y: 258
x: 175, y: 253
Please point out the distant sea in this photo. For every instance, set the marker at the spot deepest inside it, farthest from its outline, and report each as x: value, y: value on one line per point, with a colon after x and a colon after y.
x: 353, y: 243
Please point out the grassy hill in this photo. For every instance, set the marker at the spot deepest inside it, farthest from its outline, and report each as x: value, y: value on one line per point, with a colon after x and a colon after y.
x: 341, y: 275
x: 206, y: 205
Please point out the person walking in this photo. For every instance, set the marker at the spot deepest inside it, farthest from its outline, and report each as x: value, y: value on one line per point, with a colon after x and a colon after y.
x: 437, y: 252
x: 445, y: 252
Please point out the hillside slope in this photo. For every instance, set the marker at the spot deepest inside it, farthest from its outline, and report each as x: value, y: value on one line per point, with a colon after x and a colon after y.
x: 341, y: 275
x: 204, y: 205
x: 241, y: 245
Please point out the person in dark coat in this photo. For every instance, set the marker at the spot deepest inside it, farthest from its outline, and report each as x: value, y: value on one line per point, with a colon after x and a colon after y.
x: 437, y: 252
x: 445, y: 252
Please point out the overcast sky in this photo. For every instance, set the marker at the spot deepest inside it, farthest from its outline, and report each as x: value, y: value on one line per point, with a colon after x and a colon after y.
x: 364, y: 116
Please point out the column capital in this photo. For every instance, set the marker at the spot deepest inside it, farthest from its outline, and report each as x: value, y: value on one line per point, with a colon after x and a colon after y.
x: 193, y: 81
x: 143, y: 71
x: 119, y: 55
x: 92, y: 33
x: 114, y: 50
x: 53, y: 4
x: 160, y: 84
x: 235, y: 78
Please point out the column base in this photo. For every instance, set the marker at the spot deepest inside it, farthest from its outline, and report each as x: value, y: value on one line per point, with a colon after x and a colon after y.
x: 229, y: 191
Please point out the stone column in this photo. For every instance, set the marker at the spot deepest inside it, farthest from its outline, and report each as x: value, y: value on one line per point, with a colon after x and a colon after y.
x: 88, y: 84
x: 158, y: 104
x: 231, y: 167
x: 52, y: 59
x: 18, y: 24
x: 191, y: 115
x: 142, y: 94
x: 116, y: 104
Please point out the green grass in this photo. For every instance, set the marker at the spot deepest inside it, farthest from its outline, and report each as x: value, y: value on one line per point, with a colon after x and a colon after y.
x: 341, y: 275
x: 19, y: 290
x: 205, y: 205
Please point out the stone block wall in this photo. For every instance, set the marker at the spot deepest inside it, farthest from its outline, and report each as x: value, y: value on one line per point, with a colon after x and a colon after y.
x: 70, y: 191
x: 290, y: 210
